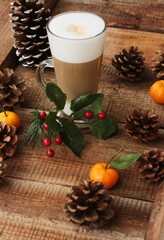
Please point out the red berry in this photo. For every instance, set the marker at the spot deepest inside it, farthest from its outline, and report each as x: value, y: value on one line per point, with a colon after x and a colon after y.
x: 101, y: 115
x: 46, y: 142
x: 50, y: 153
x: 88, y: 114
x: 58, y: 140
x: 45, y: 126
x: 42, y: 115
x: 71, y: 119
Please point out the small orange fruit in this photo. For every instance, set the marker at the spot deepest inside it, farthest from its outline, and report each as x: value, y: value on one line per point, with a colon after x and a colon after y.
x: 108, y: 177
x: 10, y: 118
x: 157, y: 91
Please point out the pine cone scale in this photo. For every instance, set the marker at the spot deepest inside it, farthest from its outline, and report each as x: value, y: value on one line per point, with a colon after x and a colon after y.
x: 102, y: 206
x: 72, y: 207
x: 3, y: 168
x: 108, y: 214
x: 81, y: 207
x: 91, y: 216
x: 77, y: 218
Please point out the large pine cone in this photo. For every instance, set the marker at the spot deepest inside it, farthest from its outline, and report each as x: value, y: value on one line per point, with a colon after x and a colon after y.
x: 89, y: 204
x: 151, y: 165
x: 29, y: 19
x: 142, y: 125
x: 129, y: 64
x: 158, y: 64
x: 8, y: 140
x: 11, y: 88
x: 3, y: 167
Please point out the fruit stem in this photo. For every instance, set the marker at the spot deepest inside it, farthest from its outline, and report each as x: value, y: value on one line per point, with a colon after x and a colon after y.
x: 4, y: 110
x: 120, y: 150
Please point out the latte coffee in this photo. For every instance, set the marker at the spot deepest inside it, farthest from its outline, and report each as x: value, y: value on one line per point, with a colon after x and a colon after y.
x: 77, y: 78
x: 76, y: 42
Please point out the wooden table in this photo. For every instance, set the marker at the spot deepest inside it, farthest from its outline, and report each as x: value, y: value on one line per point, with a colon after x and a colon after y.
x: 34, y: 192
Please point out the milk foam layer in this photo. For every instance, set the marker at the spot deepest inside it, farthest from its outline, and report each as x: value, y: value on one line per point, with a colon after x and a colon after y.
x: 76, y: 37
x: 76, y: 25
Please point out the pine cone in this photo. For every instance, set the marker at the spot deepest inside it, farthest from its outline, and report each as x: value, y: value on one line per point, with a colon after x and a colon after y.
x: 11, y: 88
x: 129, y: 64
x: 151, y: 165
x: 3, y: 167
x: 89, y: 204
x: 29, y: 19
x: 158, y: 64
x: 8, y: 140
x: 142, y: 125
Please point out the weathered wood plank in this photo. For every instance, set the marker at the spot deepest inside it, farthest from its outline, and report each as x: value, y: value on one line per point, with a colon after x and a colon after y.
x: 129, y: 14
x: 44, y: 217
x: 156, y: 221
x: 6, y: 40
x: 118, y: 94
x: 66, y: 169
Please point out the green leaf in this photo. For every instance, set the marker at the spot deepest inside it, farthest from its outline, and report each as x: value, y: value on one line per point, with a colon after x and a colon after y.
x: 87, y: 102
x: 125, y: 161
x: 55, y: 94
x: 72, y: 136
x: 52, y: 123
x: 104, y: 128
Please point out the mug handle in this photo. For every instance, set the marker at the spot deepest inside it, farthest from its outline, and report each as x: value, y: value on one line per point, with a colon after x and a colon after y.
x: 40, y: 71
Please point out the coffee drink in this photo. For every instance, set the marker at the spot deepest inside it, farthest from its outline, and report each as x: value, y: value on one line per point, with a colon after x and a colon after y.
x: 76, y: 42
x: 78, y: 78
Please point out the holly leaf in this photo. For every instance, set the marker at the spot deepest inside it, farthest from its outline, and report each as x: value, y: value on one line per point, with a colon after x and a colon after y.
x: 72, y: 136
x: 104, y: 128
x: 125, y: 161
x: 87, y: 102
x: 52, y: 123
x: 55, y: 94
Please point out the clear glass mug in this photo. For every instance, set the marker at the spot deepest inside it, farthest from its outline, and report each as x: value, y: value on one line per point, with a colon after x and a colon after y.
x: 76, y: 42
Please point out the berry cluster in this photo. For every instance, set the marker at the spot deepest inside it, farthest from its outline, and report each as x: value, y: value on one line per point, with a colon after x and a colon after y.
x: 46, y: 140
x: 89, y: 115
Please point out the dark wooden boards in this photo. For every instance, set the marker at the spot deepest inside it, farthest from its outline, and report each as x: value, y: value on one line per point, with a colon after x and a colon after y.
x: 34, y: 192
x: 142, y: 15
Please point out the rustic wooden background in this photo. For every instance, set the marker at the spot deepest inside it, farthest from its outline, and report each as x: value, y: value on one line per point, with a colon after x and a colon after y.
x: 34, y: 191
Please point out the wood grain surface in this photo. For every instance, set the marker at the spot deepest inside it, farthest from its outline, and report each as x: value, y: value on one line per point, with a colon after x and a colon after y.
x: 156, y: 222
x: 145, y: 15
x: 34, y: 192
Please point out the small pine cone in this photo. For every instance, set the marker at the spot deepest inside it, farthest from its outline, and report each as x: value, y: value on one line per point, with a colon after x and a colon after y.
x: 3, y: 167
x: 11, y: 88
x: 8, y: 140
x: 29, y: 19
x: 142, y: 125
x: 158, y: 64
x: 89, y: 204
x: 151, y: 165
x: 129, y: 64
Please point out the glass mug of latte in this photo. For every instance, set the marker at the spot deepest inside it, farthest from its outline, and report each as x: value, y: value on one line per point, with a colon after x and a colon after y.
x: 76, y: 42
